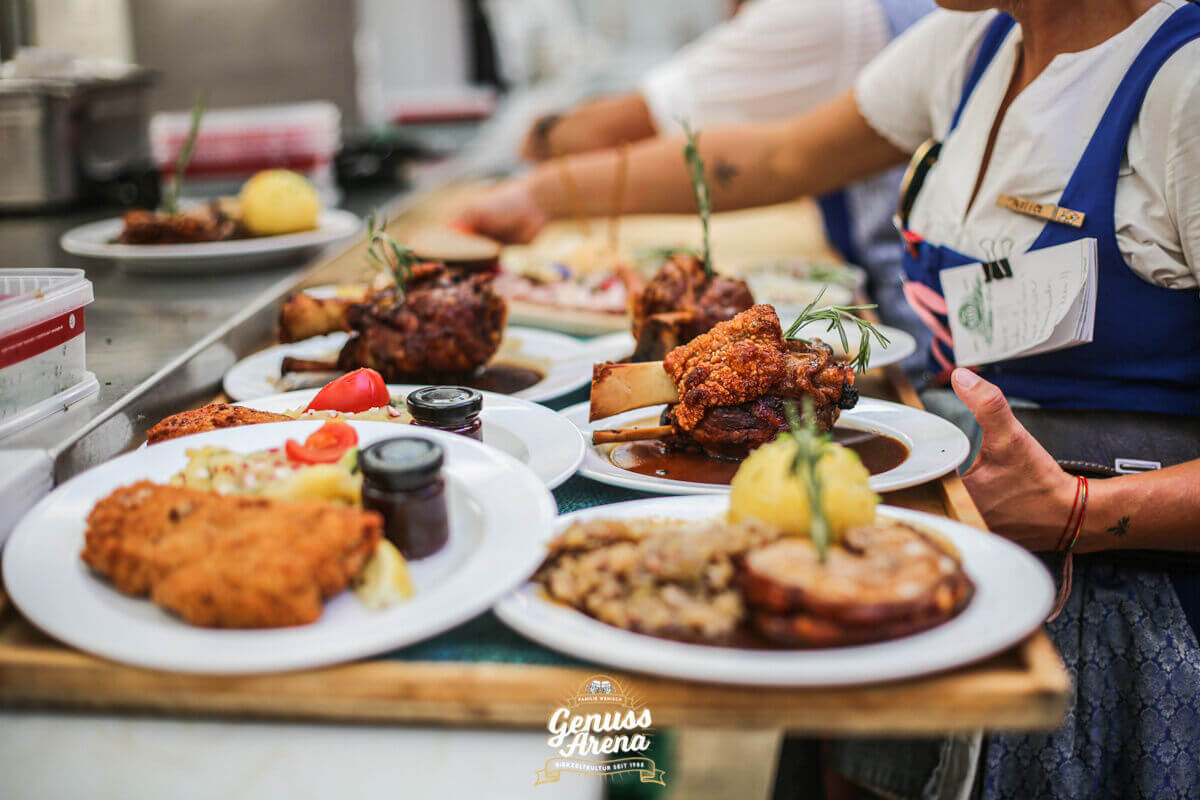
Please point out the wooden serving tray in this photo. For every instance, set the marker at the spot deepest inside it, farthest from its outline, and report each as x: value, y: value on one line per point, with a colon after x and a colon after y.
x: 1025, y: 688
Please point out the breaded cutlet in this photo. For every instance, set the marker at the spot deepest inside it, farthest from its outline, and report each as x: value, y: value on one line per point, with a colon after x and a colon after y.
x: 228, y: 561
x: 209, y: 418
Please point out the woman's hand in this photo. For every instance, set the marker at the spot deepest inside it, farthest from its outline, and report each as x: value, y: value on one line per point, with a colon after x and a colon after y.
x: 1021, y: 491
x: 507, y: 212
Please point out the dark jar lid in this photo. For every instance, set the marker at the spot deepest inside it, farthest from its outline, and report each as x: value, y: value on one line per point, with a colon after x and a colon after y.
x: 403, y: 463
x: 445, y: 406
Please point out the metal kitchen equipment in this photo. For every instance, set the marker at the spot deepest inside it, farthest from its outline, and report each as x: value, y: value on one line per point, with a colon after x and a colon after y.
x: 76, y: 138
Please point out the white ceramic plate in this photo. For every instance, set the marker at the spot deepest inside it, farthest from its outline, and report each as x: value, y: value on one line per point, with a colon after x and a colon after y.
x: 935, y: 447
x: 1013, y: 594
x: 539, y: 438
x: 565, y: 361
x: 94, y: 240
x: 500, y: 514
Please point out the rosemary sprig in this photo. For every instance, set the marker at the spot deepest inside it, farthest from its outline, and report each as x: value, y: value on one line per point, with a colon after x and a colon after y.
x: 835, y: 315
x: 695, y: 165
x: 170, y: 204
x: 388, y: 255
x: 810, y: 447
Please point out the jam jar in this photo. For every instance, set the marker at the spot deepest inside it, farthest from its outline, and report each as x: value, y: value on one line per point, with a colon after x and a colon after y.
x: 454, y: 409
x: 402, y: 480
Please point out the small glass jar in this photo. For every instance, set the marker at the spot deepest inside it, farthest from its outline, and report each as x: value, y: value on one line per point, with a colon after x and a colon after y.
x: 402, y: 480
x: 454, y: 409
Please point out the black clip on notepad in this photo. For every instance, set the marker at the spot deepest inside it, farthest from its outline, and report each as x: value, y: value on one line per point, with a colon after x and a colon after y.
x: 996, y: 270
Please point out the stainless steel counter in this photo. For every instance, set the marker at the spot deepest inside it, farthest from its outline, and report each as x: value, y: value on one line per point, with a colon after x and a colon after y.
x: 155, y: 344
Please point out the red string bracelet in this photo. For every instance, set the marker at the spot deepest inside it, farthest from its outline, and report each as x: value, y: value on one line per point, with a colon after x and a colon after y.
x: 1072, y: 529
x: 1083, y: 483
x: 1067, y: 528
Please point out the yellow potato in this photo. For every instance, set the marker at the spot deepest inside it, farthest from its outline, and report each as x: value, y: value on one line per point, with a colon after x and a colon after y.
x: 766, y: 489
x: 330, y: 482
x: 277, y: 201
x: 269, y: 473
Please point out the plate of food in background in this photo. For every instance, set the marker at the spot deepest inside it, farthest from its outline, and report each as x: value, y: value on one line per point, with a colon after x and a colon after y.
x: 753, y: 588
x: 546, y: 442
x: 276, y: 218
x: 899, y: 446
x: 682, y: 425
x: 277, y: 546
x: 418, y: 321
x: 527, y: 363
x: 577, y: 285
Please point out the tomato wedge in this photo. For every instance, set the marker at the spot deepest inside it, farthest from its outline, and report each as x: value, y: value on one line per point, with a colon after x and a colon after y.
x: 326, y: 445
x: 355, y: 391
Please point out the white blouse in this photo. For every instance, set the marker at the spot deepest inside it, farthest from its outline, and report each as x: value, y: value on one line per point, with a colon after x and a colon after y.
x: 775, y: 58
x: 909, y: 94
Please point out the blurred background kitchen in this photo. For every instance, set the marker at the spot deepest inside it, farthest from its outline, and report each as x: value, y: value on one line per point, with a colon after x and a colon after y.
x: 348, y: 92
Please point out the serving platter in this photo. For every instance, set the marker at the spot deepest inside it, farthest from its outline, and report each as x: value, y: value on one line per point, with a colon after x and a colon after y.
x: 1014, y: 592
x: 935, y: 447
x: 500, y: 513
x: 95, y: 240
x: 566, y: 362
x: 542, y: 440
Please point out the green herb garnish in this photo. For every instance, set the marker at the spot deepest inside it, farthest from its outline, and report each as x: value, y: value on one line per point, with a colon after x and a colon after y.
x: 170, y: 204
x: 388, y: 255
x: 811, y: 446
x: 695, y: 165
x: 835, y: 315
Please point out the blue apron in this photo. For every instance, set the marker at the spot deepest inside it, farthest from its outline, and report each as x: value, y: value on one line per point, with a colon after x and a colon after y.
x: 1133, y: 725
x: 1145, y: 355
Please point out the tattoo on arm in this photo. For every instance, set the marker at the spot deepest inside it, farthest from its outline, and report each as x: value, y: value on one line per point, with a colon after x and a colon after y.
x: 1121, y: 528
x: 724, y: 172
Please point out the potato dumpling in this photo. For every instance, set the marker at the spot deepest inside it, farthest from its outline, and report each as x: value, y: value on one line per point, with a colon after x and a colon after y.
x: 277, y: 201
x: 766, y: 489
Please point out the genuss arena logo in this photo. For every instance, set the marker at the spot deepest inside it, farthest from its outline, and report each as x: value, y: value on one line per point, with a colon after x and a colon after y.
x: 600, y: 731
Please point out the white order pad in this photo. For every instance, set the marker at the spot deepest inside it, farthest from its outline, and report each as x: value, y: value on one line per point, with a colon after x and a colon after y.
x: 1028, y: 304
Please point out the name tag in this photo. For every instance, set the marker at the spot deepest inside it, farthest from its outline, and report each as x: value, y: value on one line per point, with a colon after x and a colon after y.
x: 1047, y: 211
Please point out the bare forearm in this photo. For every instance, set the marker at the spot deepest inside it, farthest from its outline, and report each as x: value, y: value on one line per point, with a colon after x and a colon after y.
x: 597, y: 124
x: 1157, y: 510
x: 748, y: 165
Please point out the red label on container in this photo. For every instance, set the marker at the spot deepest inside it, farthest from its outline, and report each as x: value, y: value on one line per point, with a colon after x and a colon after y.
x: 28, y: 342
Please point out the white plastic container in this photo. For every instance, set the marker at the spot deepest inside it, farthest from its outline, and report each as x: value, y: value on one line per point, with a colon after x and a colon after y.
x: 42, y: 358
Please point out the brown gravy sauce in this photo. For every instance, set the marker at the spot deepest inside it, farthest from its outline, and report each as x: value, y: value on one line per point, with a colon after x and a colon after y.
x: 879, y: 454
x: 503, y: 378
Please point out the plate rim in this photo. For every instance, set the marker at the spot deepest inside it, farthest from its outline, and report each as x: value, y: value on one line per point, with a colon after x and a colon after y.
x: 583, y: 353
x: 551, y: 481
x: 334, y: 224
x: 628, y: 480
x: 22, y: 588
x: 703, y: 663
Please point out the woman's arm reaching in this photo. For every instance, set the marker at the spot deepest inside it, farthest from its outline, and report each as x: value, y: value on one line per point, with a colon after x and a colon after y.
x: 748, y: 165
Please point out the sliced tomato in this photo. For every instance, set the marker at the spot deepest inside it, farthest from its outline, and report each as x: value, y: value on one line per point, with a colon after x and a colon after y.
x: 326, y: 445
x: 355, y: 391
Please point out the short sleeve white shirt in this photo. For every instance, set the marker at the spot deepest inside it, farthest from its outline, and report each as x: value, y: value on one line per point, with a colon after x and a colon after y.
x: 775, y: 58
x: 909, y: 94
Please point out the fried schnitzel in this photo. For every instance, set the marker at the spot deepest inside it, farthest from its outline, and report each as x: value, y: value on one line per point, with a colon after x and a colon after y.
x: 209, y: 418
x: 228, y: 561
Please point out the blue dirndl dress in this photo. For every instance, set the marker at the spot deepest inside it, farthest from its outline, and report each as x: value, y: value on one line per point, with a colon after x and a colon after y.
x: 1133, y: 726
